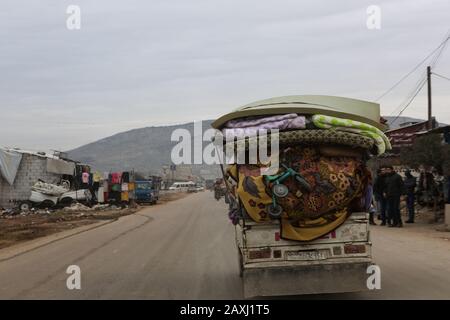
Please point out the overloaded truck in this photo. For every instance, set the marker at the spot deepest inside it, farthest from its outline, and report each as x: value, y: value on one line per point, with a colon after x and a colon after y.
x: 303, y: 229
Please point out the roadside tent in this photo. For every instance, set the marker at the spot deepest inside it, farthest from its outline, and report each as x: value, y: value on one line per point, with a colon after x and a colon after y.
x: 9, y: 164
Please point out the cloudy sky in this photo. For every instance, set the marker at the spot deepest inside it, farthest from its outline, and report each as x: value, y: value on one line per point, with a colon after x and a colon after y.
x: 142, y: 63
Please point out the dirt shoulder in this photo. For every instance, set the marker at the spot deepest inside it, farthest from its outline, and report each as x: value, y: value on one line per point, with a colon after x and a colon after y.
x: 16, y: 229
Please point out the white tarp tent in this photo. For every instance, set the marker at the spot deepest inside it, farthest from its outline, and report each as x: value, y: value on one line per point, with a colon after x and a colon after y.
x: 9, y: 164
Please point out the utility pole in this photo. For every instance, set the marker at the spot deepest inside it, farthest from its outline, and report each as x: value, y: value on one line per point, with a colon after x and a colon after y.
x: 430, y: 115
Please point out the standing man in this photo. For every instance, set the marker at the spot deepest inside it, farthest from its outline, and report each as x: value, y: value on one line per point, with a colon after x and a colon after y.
x: 410, y: 188
x: 393, y: 191
x: 378, y: 192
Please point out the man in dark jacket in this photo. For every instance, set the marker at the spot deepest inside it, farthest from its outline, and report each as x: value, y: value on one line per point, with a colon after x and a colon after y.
x: 378, y: 190
x: 393, y: 191
x: 410, y: 188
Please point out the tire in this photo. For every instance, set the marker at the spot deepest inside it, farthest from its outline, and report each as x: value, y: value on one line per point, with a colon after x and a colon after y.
x: 274, y: 211
x: 46, y: 204
x: 280, y: 190
x: 25, y: 206
x: 67, y: 202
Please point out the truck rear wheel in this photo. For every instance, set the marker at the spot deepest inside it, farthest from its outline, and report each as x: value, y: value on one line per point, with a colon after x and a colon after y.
x: 25, y: 206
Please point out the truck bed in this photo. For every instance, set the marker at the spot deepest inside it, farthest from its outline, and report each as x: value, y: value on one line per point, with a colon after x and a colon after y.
x: 336, y: 262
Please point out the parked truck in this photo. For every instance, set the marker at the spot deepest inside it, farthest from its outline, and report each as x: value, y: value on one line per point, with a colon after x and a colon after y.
x: 337, y: 261
x: 147, y: 191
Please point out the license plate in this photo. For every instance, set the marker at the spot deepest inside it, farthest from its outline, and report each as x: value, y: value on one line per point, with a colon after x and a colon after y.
x: 305, y: 255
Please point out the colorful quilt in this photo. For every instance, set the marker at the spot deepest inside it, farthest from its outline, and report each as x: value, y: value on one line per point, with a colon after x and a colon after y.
x: 337, y: 183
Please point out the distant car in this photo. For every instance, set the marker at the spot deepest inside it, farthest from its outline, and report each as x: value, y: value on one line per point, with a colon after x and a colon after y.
x: 146, y: 191
x: 182, y: 186
x: 195, y: 188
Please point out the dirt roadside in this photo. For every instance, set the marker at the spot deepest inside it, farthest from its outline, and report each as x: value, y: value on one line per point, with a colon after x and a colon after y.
x: 15, y: 229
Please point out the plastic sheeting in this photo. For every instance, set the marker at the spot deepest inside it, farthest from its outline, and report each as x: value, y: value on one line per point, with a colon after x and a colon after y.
x: 9, y: 164
x: 60, y: 166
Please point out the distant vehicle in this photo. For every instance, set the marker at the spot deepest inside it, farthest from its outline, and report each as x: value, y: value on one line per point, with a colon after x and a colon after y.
x: 209, y: 184
x: 147, y: 191
x: 219, y: 189
x: 195, y: 188
x: 182, y: 186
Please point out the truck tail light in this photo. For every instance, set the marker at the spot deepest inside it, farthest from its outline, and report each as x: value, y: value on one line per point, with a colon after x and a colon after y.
x: 354, y: 248
x: 260, y: 254
x: 277, y: 236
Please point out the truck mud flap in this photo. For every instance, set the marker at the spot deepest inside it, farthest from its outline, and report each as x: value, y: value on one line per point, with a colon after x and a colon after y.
x: 306, y: 279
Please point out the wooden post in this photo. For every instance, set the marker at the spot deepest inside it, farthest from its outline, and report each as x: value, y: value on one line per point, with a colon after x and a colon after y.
x: 430, y: 113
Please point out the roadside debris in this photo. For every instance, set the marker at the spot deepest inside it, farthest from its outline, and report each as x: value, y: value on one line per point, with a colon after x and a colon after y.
x: 77, y: 207
x: 18, y: 226
x: 74, y: 207
x: 101, y: 207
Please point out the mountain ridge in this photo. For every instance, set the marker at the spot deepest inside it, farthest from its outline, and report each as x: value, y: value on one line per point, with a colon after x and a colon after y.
x: 147, y: 149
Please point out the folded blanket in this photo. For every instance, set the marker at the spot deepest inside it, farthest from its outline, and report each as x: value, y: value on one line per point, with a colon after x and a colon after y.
x: 308, y: 137
x: 249, y: 127
x: 339, y: 124
x: 256, y: 121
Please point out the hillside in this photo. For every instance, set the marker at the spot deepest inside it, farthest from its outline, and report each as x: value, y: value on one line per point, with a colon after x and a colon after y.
x: 144, y: 149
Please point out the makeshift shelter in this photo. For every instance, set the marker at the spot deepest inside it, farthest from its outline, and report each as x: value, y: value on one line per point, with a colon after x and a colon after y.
x: 21, y: 169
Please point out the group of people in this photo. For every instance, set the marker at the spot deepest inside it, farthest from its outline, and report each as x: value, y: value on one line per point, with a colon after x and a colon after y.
x: 388, y: 188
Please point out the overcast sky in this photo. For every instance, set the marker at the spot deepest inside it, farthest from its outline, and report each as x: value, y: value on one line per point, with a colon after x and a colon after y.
x: 142, y: 63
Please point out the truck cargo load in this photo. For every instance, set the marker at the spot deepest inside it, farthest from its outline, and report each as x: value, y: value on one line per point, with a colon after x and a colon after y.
x: 304, y: 228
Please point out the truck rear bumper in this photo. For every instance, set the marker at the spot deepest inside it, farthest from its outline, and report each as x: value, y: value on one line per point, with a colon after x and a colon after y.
x: 305, y: 279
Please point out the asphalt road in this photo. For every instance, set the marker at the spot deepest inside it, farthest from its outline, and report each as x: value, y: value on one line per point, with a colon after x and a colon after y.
x: 185, y: 250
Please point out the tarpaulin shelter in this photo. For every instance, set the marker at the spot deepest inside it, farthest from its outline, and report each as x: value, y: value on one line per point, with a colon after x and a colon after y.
x: 9, y: 164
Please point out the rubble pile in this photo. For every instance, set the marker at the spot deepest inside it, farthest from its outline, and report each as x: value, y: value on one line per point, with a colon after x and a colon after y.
x: 75, y: 207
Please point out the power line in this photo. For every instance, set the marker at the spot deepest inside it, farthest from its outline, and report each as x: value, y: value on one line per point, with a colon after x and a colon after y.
x: 440, y: 76
x: 410, y: 94
x: 416, y: 67
x: 436, y: 58
x: 422, y: 80
x: 411, y: 100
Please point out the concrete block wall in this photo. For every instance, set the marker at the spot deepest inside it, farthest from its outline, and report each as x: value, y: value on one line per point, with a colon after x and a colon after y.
x: 30, y: 170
